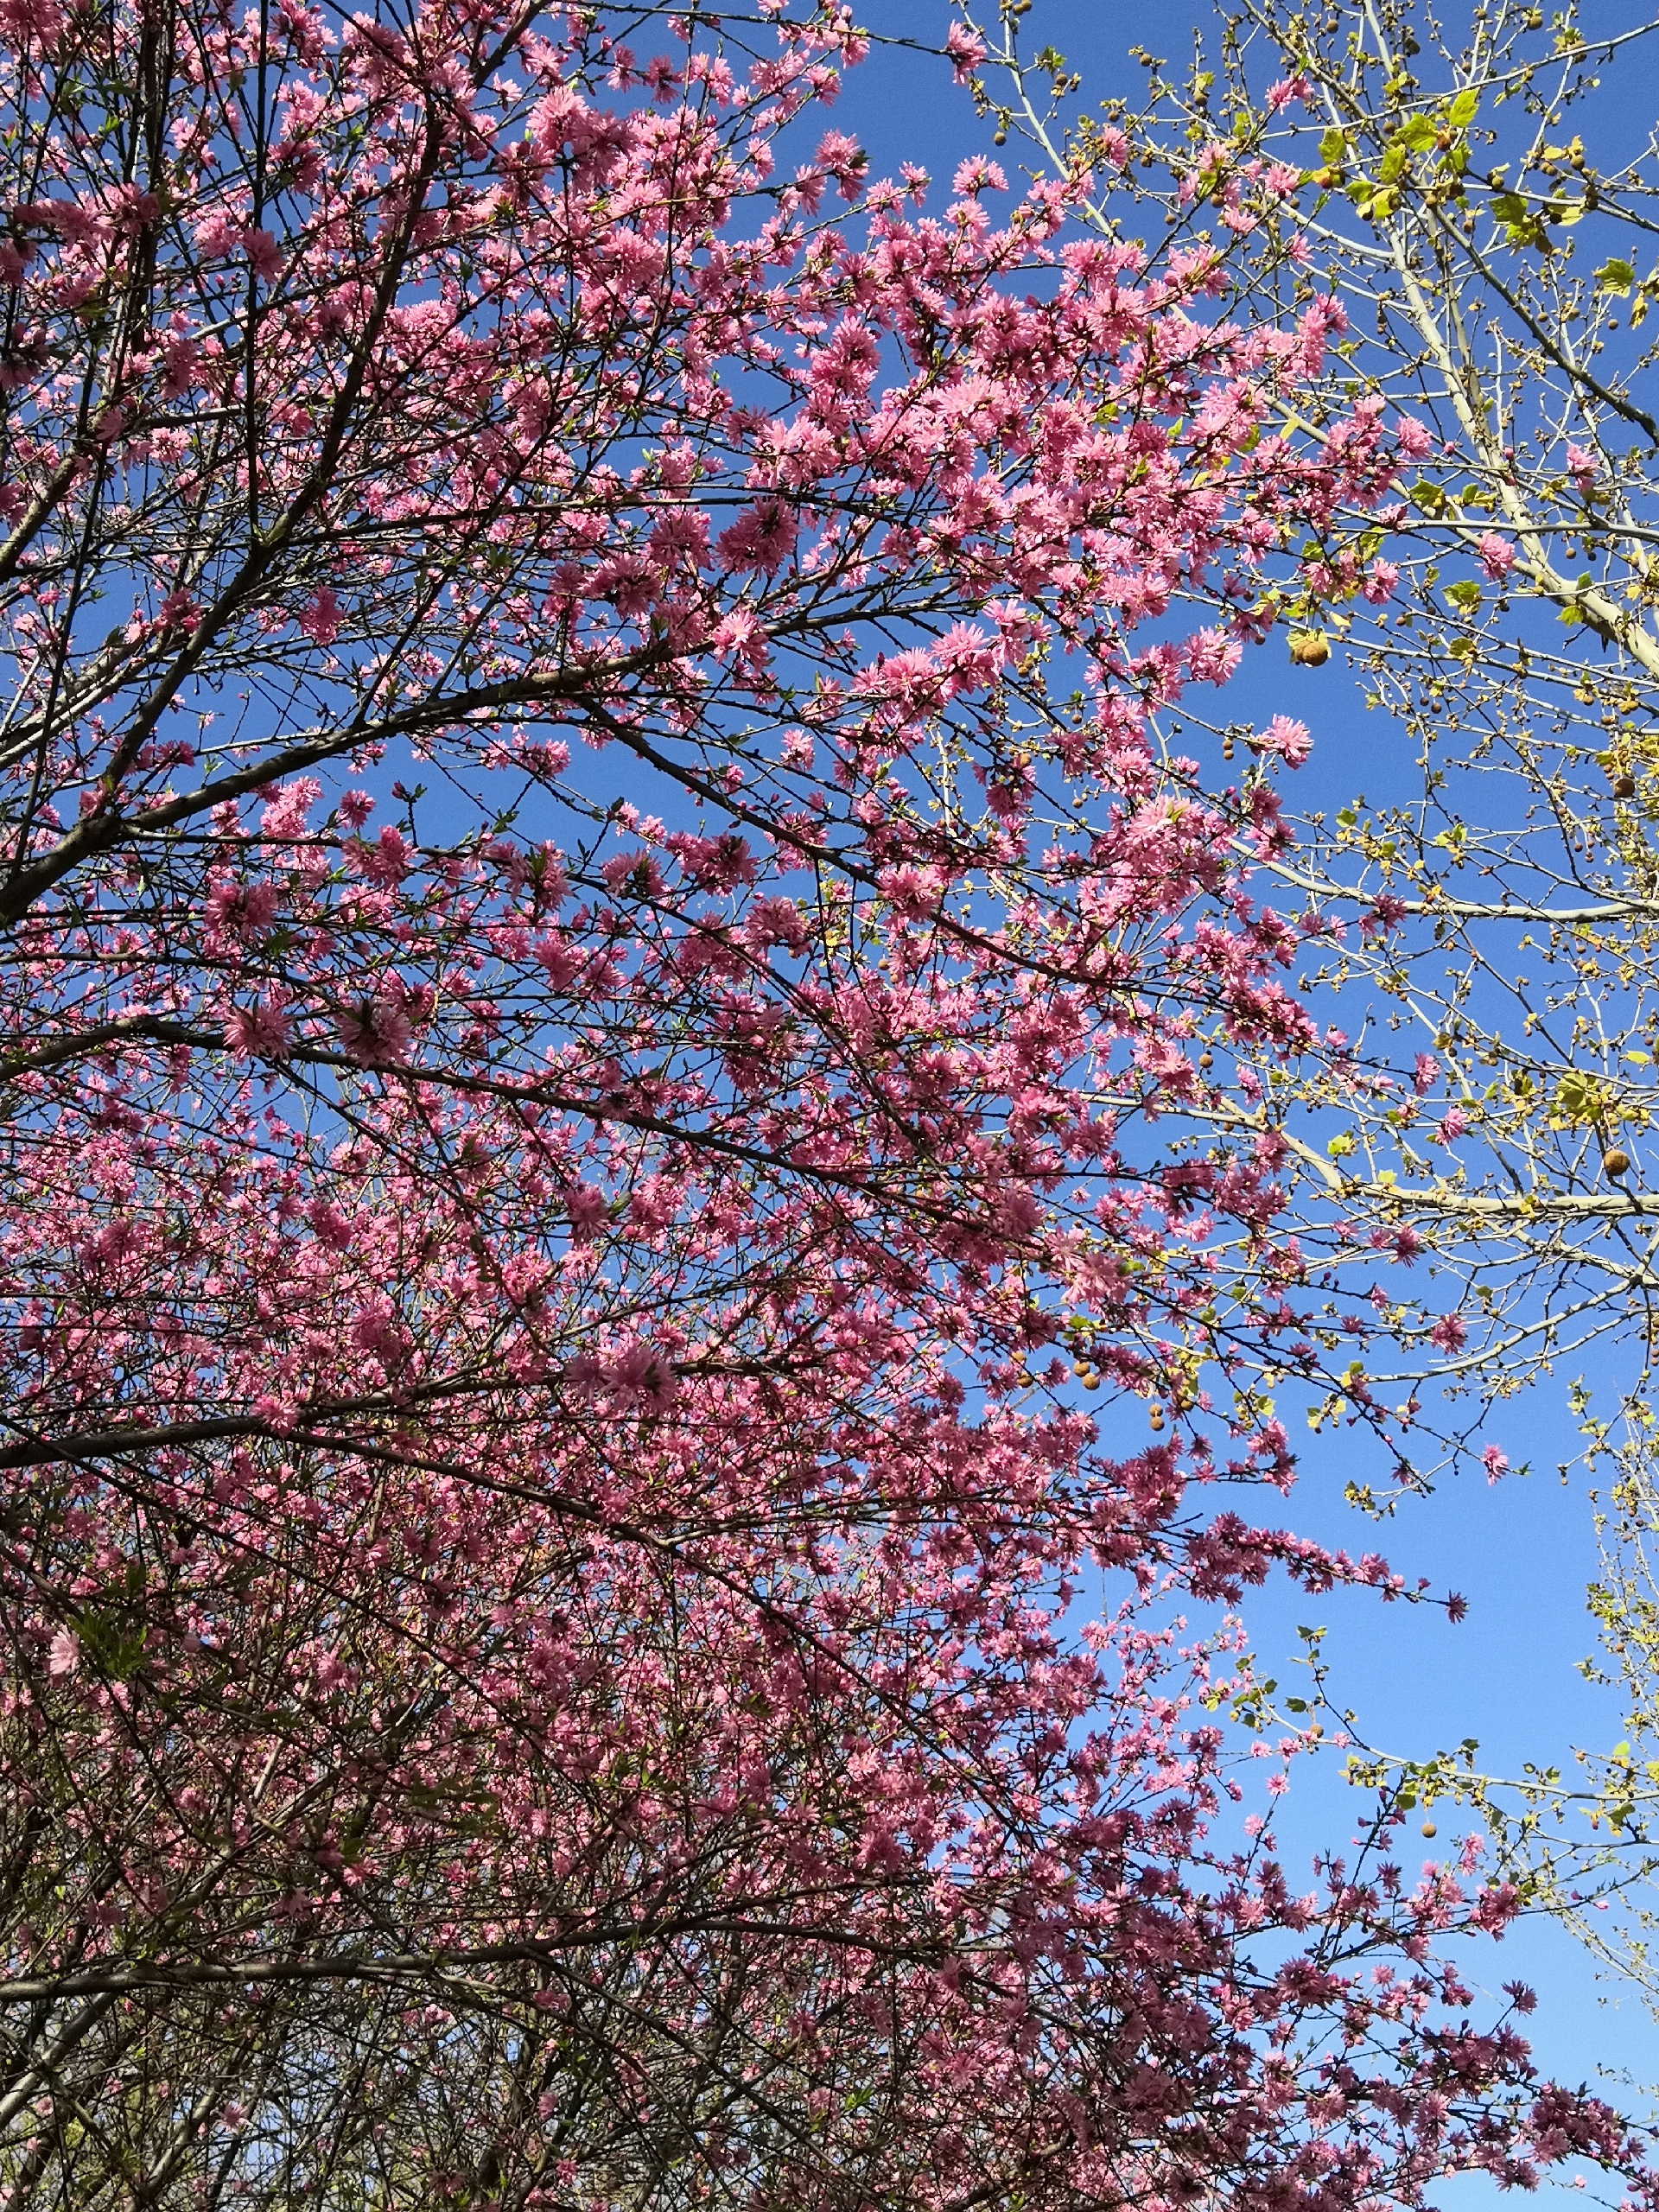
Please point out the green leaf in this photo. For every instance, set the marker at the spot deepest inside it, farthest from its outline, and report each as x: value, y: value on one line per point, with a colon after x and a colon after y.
x: 1419, y: 134
x: 1332, y: 146
x: 1510, y: 207
x: 1463, y: 110
x: 1578, y: 1098
x: 114, y: 1649
x: 1616, y: 277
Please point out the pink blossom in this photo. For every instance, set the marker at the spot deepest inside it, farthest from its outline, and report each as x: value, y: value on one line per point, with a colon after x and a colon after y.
x: 845, y: 159
x: 285, y: 812
x: 178, y: 610
x: 36, y: 24
x: 259, y: 1031
x: 1495, y: 1907
x: 319, y: 616
x: 639, y: 1372
x: 633, y: 872
x: 217, y: 235
x: 242, y: 910
x: 741, y: 635
x: 376, y: 1032
x: 977, y: 174
x: 966, y: 49
x: 387, y: 860
x: 763, y: 538
x: 1497, y: 555
x: 1212, y: 656
x: 586, y: 1210
x: 1382, y: 580
x: 263, y: 254
x: 1286, y: 740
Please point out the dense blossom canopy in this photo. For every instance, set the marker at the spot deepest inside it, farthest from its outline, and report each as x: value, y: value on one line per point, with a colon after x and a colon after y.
x: 596, y: 943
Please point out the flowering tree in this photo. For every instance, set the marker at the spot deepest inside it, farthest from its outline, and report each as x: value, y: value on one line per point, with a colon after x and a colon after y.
x: 1436, y: 179
x: 543, y: 1509
x: 1468, y: 189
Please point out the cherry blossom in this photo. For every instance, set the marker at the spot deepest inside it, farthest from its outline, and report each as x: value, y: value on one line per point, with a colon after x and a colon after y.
x: 568, y: 1633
